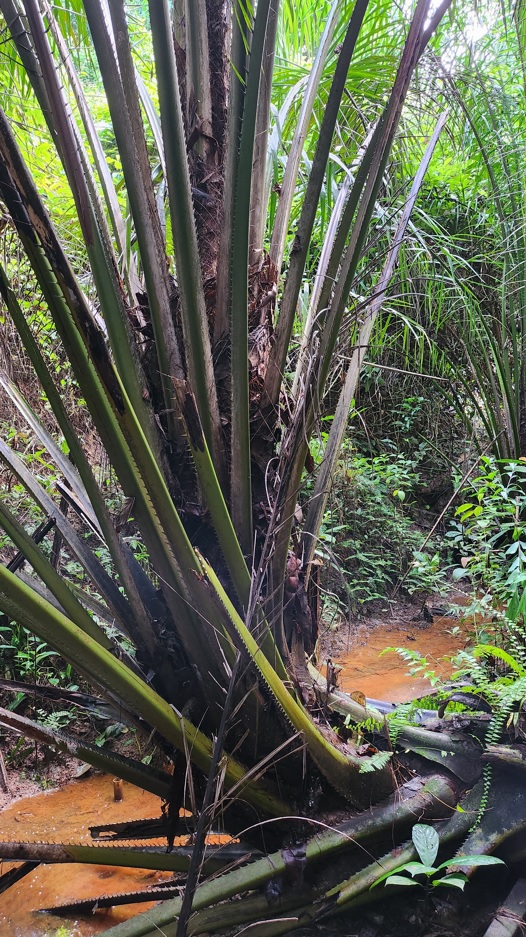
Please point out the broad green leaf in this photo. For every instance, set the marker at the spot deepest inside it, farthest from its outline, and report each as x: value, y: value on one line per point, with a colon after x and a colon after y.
x: 471, y: 861
x: 465, y: 509
x: 389, y: 874
x: 399, y: 880
x: 456, y: 881
x: 426, y: 842
x: 418, y: 868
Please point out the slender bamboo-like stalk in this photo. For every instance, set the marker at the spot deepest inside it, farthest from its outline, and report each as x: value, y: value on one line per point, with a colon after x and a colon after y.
x: 223, y: 526
x: 136, y: 614
x: 126, y: 261
x: 298, y: 257
x: 240, y: 463
x: 281, y: 222
x: 93, y: 224
x: 62, y: 462
x: 337, y: 230
x: 119, y: 81
x: 96, y: 572
x: 221, y: 518
x: 195, y: 324
x: 295, y: 445
x: 177, y: 860
x: 55, y: 583
x: 198, y: 93
x: 326, y: 472
x: 240, y: 42
x: 258, y: 195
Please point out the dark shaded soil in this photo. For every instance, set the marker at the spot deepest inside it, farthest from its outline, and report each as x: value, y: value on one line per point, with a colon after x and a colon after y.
x: 414, y: 915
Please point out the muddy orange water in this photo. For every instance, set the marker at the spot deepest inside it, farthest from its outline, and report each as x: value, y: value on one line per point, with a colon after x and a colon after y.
x: 64, y: 816
x: 387, y: 677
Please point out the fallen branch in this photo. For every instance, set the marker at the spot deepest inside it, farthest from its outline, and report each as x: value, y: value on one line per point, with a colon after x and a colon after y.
x: 436, y: 797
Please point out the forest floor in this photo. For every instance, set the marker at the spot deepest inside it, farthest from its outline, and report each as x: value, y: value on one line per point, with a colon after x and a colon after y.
x: 32, y: 779
x: 418, y: 915
x: 356, y: 647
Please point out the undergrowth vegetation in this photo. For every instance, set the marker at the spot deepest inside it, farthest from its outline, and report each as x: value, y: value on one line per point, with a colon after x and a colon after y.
x: 488, y: 531
x: 264, y: 332
x: 370, y: 542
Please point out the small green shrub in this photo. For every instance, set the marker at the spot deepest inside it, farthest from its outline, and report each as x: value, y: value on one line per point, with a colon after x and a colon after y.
x: 426, y: 842
x: 24, y: 657
x: 56, y: 719
x: 489, y: 530
x: 370, y: 530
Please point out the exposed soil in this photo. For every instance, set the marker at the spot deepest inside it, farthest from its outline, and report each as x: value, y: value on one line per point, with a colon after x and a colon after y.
x: 27, y: 783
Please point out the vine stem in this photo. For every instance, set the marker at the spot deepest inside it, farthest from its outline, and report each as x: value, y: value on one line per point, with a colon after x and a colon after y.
x: 205, y: 817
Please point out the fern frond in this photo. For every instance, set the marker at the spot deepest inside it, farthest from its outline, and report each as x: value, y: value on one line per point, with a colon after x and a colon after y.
x: 490, y: 650
x: 375, y: 762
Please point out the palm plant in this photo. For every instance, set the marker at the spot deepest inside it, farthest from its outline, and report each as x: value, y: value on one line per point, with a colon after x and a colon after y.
x: 467, y: 258
x: 184, y: 365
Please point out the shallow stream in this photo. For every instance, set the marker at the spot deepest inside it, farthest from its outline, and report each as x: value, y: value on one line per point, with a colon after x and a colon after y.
x: 385, y: 676
x: 66, y: 815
